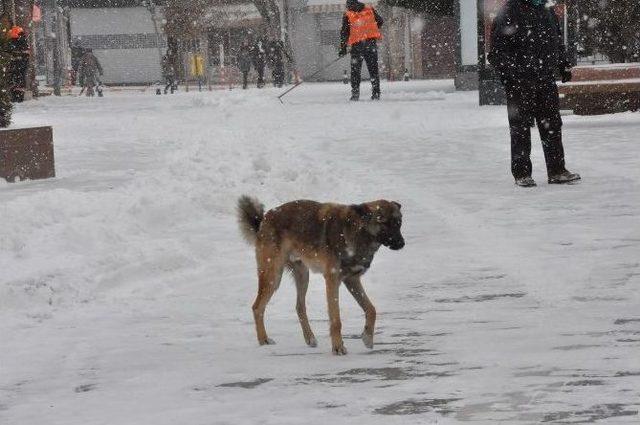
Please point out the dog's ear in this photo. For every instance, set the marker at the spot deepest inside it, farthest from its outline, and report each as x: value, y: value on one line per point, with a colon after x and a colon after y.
x: 396, y: 204
x: 361, y: 209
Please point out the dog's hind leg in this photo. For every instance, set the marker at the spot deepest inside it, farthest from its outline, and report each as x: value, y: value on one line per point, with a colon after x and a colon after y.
x: 301, y: 276
x: 270, y: 267
x: 354, y: 285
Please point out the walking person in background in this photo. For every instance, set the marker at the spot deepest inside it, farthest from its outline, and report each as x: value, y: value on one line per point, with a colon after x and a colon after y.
x: 276, y: 53
x: 361, y: 29
x: 244, y: 61
x: 169, y: 74
x: 90, y: 70
x: 5, y: 60
x: 258, y: 59
x: 527, y: 49
x: 20, y: 52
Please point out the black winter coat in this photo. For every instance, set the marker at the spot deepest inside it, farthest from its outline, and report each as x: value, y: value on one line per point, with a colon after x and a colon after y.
x: 526, y: 43
x: 244, y: 57
x: 259, y: 54
x: 276, y: 53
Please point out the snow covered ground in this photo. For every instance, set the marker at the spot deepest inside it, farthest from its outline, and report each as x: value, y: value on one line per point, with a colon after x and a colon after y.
x: 125, y: 289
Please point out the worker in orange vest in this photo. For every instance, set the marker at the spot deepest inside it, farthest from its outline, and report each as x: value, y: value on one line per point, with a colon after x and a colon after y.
x: 360, y: 30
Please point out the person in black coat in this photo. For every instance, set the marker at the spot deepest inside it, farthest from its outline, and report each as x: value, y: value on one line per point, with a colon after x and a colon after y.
x: 244, y: 61
x: 169, y: 74
x: 20, y: 53
x: 258, y: 58
x: 90, y: 72
x: 527, y: 49
x: 276, y: 53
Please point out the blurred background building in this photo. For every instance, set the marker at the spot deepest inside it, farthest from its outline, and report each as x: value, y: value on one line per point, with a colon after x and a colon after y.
x: 422, y: 38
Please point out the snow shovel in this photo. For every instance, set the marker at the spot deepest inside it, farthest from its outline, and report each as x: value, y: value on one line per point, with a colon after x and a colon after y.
x: 310, y: 76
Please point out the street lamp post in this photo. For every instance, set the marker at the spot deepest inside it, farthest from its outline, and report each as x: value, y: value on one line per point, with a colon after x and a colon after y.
x: 56, y: 38
x: 490, y: 90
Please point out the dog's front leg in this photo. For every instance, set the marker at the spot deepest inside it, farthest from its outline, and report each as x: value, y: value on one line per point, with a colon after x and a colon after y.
x: 354, y: 285
x: 332, y: 281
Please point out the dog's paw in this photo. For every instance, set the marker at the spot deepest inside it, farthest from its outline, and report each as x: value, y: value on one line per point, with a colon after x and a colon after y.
x: 339, y: 351
x: 267, y: 341
x: 367, y: 340
x: 312, y: 342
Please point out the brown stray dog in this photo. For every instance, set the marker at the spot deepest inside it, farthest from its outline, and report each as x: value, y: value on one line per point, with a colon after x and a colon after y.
x: 338, y: 241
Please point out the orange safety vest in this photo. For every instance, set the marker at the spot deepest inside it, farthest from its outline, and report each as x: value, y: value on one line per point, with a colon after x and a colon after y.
x: 15, y: 32
x: 362, y: 26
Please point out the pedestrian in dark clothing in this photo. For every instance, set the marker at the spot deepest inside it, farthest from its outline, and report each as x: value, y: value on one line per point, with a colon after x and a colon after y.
x: 20, y: 52
x: 5, y: 61
x: 527, y: 49
x: 244, y: 61
x: 276, y: 53
x: 90, y: 70
x: 258, y: 58
x: 169, y: 74
x: 361, y: 29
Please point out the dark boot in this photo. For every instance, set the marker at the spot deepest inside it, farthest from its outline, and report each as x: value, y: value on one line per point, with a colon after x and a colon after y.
x: 564, y: 177
x: 525, y: 182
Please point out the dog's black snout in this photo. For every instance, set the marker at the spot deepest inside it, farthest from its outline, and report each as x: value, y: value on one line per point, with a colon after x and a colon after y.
x: 397, y: 244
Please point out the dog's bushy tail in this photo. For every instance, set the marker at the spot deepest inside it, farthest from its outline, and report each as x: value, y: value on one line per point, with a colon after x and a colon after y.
x: 250, y: 215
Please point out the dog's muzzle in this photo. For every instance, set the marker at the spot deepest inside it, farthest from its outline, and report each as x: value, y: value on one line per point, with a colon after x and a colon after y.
x: 396, y: 244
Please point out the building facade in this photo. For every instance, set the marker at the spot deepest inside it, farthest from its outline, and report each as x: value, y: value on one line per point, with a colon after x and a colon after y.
x: 129, y: 41
x: 125, y: 37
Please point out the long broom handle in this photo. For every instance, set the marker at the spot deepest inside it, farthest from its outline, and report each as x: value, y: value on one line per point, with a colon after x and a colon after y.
x: 310, y: 77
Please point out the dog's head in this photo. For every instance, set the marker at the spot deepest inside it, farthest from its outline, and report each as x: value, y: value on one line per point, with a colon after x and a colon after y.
x: 383, y: 219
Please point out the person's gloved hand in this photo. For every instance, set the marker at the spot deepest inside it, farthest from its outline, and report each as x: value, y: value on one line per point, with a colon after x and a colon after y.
x: 342, y: 52
x: 566, y: 75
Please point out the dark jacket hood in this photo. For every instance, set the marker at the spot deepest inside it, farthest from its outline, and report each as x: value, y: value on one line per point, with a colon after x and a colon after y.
x: 355, y: 5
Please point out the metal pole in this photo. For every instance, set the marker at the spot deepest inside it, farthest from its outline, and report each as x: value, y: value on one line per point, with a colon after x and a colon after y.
x: 490, y: 90
x: 571, y: 20
x: 408, y: 45
x: 56, y: 67
x: 55, y: 30
x: 310, y: 76
x: 151, y: 7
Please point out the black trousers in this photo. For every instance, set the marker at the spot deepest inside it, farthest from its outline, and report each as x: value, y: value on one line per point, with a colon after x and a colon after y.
x: 245, y: 78
x: 368, y: 51
x: 170, y: 83
x: 528, y: 102
x: 278, y: 73
x: 18, y: 77
x: 259, y: 66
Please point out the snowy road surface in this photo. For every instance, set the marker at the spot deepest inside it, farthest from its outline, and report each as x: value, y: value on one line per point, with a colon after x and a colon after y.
x: 125, y: 289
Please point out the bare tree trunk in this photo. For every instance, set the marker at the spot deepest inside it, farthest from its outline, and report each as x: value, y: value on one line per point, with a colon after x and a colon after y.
x: 270, y: 12
x: 273, y: 17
